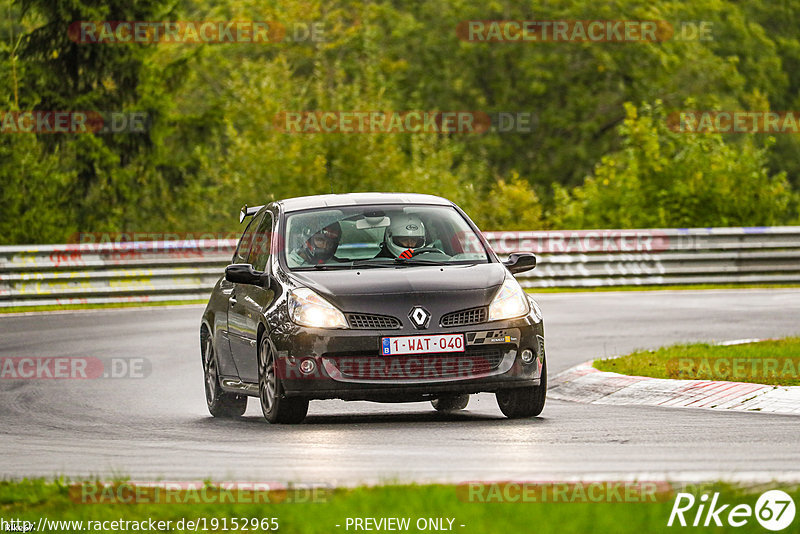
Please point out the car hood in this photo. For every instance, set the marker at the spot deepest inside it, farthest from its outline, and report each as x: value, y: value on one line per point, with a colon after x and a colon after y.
x: 378, y: 290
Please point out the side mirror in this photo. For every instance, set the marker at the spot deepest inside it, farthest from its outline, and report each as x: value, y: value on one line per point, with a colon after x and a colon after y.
x: 519, y: 262
x: 243, y: 273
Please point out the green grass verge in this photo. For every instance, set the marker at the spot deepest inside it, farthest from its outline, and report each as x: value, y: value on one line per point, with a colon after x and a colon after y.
x: 658, y: 288
x: 32, y: 500
x: 63, y: 307
x: 774, y: 362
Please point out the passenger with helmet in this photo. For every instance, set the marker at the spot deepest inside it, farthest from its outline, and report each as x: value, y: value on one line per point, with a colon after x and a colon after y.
x: 320, y: 247
x: 405, y: 234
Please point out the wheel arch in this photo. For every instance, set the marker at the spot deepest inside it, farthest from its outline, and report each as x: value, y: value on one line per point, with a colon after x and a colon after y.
x: 261, y: 332
x: 205, y: 332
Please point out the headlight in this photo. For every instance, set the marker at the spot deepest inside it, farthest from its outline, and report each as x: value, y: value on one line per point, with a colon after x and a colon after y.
x: 306, y: 308
x: 510, y: 302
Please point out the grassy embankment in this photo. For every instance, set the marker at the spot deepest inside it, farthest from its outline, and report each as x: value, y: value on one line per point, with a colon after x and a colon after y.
x: 32, y: 500
x: 775, y: 362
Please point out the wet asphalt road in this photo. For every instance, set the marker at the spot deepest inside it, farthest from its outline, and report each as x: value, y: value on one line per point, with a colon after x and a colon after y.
x: 158, y: 427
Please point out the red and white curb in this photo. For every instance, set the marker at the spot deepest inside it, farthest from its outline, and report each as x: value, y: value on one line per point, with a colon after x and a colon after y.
x: 583, y: 383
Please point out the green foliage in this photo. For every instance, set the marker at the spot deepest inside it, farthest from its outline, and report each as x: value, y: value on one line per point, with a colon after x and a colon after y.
x: 664, y: 179
x: 482, y: 508
x: 773, y: 362
x: 32, y: 193
x: 511, y: 205
x: 212, y: 143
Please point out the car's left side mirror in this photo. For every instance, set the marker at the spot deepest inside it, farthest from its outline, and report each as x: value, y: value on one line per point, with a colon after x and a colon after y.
x: 243, y: 273
x: 519, y: 262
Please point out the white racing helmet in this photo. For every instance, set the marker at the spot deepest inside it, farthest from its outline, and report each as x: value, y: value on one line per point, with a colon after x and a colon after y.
x: 405, y: 232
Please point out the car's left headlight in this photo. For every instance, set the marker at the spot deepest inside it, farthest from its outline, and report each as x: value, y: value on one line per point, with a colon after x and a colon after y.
x: 510, y: 302
x: 306, y: 308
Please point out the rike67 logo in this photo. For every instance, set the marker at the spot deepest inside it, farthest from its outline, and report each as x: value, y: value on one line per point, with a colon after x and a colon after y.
x: 774, y: 510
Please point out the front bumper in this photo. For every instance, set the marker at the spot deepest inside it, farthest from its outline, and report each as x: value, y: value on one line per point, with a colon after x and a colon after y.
x: 348, y: 364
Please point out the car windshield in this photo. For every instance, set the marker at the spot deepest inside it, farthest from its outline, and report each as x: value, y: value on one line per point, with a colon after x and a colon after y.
x: 380, y: 236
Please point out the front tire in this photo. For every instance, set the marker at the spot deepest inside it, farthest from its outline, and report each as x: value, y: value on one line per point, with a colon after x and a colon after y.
x: 521, y: 403
x: 277, y: 408
x: 220, y: 403
x: 450, y: 403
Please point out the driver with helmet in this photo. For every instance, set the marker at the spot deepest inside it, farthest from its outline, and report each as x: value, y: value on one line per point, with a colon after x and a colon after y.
x: 320, y: 247
x: 404, y: 234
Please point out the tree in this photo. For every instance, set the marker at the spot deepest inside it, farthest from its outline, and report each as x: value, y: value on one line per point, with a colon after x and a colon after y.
x: 664, y: 179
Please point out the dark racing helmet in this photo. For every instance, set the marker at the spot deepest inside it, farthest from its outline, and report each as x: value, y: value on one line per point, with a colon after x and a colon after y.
x: 322, y: 244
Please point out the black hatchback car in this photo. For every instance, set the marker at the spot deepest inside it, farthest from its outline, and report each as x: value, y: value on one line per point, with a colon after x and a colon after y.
x: 370, y: 296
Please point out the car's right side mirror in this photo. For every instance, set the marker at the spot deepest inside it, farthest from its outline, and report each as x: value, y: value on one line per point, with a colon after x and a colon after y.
x: 519, y: 262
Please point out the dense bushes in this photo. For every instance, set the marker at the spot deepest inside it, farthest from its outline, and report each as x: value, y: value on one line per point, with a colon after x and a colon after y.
x: 598, y: 154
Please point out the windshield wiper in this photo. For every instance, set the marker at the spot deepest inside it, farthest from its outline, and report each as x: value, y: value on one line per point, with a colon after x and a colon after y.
x: 331, y: 266
x: 372, y: 262
x: 420, y: 261
x: 367, y: 262
x: 394, y: 262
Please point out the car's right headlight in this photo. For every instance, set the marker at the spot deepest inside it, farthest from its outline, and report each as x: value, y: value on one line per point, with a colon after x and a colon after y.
x: 509, y: 303
x: 306, y: 308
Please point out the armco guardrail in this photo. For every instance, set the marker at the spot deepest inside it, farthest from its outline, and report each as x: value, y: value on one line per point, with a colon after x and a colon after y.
x: 100, y: 273
x: 187, y: 270
x: 594, y: 258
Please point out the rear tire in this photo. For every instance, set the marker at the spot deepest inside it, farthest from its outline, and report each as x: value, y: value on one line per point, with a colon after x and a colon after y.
x: 520, y: 403
x: 450, y: 403
x: 277, y: 408
x: 220, y: 403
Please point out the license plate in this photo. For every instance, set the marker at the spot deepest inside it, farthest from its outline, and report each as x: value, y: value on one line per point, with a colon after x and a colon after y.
x: 422, y: 344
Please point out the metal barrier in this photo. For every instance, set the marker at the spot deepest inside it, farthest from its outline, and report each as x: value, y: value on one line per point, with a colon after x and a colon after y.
x: 187, y: 270
x: 594, y: 258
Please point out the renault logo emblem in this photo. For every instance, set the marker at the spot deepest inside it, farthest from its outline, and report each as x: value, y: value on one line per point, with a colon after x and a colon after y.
x: 420, y: 317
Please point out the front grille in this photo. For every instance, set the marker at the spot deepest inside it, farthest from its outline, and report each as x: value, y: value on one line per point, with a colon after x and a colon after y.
x: 475, y: 361
x: 465, y: 317
x: 363, y: 321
